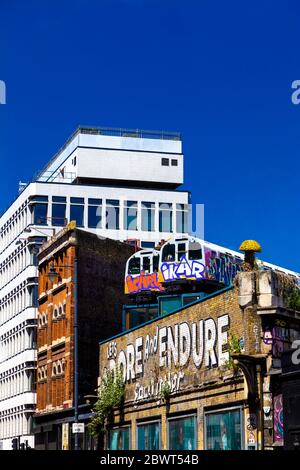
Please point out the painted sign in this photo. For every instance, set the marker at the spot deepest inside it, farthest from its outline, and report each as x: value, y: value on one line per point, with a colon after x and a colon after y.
x: 172, y: 347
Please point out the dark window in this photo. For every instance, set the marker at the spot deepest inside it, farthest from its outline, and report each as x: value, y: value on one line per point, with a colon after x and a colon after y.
x: 77, y: 200
x: 195, y: 251
x: 165, y: 162
x: 134, y: 266
x: 77, y: 214
x: 174, y: 162
x: 181, y: 251
x: 95, y: 213
x: 59, y: 214
x: 168, y: 252
x: 146, y: 264
x: 40, y: 214
x: 147, y: 244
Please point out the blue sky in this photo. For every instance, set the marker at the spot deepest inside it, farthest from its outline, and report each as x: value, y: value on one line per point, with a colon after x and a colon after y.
x: 219, y: 72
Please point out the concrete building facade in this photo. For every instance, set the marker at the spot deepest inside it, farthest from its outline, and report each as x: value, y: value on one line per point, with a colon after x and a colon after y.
x: 115, y: 183
x: 205, y: 376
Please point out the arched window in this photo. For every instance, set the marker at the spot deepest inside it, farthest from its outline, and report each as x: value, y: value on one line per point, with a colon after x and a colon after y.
x: 55, y: 313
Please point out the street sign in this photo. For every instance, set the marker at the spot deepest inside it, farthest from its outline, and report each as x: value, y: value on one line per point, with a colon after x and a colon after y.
x: 77, y: 428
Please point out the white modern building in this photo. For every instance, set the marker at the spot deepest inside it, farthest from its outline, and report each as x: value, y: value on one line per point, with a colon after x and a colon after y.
x: 116, y: 183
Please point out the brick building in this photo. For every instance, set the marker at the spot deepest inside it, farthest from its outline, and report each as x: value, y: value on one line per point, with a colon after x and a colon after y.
x: 206, y: 376
x: 100, y: 265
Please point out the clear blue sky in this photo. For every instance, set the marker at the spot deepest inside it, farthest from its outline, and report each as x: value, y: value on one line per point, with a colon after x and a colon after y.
x: 220, y: 72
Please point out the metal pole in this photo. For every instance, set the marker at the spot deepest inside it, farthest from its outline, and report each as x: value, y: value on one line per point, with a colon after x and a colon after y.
x: 76, y: 348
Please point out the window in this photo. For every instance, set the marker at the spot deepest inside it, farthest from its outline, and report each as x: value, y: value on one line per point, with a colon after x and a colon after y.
x: 119, y: 439
x: 95, y: 213
x: 181, y: 250
x: 168, y: 252
x: 130, y: 215
x: 147, y: 244
x: 39, y: 209
x: 134, y: 266
x: 165, y: 217
x: 148, y: 436
x: 195, y: 251
x: 182, y: 433
x: 112, y: 214
x: 174, y: 162
x: 148, y: 212
x: 223, y: 430
x: 165, y: 162
x: 77, y: 210
x: 58, y: 211
x: 146, y: 264
x: 182, y: 218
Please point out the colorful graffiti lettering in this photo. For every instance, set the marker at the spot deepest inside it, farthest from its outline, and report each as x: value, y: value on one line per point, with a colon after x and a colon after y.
x: 143, y: 282
x: 221, y: 267
x: 183, y: 270
x: 278, y: 418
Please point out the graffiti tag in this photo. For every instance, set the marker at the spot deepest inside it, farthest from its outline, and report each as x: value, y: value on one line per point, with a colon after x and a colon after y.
x: 143, y: 282
x: 183, y: 270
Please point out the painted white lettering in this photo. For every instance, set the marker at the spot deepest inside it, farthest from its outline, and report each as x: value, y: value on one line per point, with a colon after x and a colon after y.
x: 197, y: 343
x: 184, y: 343
x: 210, y: 341
x: 162, y: 335
x: 223, y: 322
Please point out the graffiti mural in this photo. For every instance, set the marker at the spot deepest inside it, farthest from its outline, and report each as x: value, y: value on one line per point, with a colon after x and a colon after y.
x: 143, y: 282
x: 278, y: 418
x: 185, y: 269
x: 221, y: 267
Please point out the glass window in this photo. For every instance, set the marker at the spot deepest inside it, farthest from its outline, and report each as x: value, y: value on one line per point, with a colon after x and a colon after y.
x: 148, y: 436
x: 168, y: 252
x: 119, y: 439
x: 146, y: 264
x: 112, y: 214
x: 147, y: 244
x: 58, y: 211
x: 195, y: 251
x: 155, y: 263
x: 182, y: 433
x: 223, y: 430
x: 40, y: 214
x: 95, y: 213
x: 134, y: 266
x: 182, y: 218
x: 77, y: 210
x: 165, y: 217
x: 174, y: 162
x: 130, y: 215
x: 148, y: 212
x: 181, y: 250
x: 165, y: 162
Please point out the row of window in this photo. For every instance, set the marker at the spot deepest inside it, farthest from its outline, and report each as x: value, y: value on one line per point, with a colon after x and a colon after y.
x: 15, y: 303
x: 223, y: 431
x: 58, y: 312
x: 17, y: 343
x: 16, y: 425
x: 58, y: 369
x: 107, y: 215
x: 14, y: 226
x: 17, y: 383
